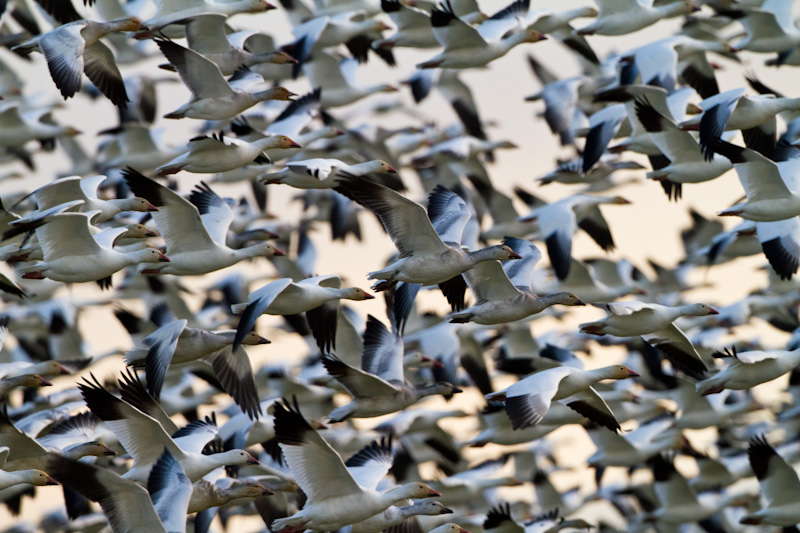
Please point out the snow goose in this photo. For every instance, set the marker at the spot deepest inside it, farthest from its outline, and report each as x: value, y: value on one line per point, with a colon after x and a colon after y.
x: 322, y: 173
x: 748, y: 369
x: 31, y: 477
x: 128, y: 506
x: 27, y: 453
x: 170, y: 12
x: 686, y: 161
x: 318, y: 297
x: 394, y: 516
x: 18, y: 126
x: 679, y: 502
x: 205, y: 34
x: 73, y: 255
x: 144, y: 437
x: 425, y: 256
x: 654, y: 323
x: 75, y: 48
x: 628, y: 16
x: 769, y: 197
x: 528, y: 400
x: 779, y: 485
x: 174, y: 343
x: 465, y: 46
x: 768, y: 29
x: 213, y: 98
x: 503, y: 292
x: 337, y: 80
x: 379, y: 387
x: 25, y: 380
x: 413, y: 27
x: 194, y: 230
x: 75, y: 188
x: 559, y: 220
x: 335, y: 499
x: 208, y: 155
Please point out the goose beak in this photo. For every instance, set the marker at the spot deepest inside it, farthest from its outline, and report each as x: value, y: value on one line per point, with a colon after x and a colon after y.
x: 151, y: 207
x: 150, y: 233
x: 456, y: 390
x: 273, y: 181
x: 44, y: 383
x: 50, y: 481
x: 108, y: 451
x: 278, y: 252
x: 462, y: 530
x: 267, y: 492
x: 712, y: 311
x: 514, y: 255
x: 580, y: 302
x: 391, y: 170
x: 295, y: 145
x: 434, y: 493
x: 262, y: 340
x: 163, y: 258
x: 633, y: 374
x: 368, y: 296
x: 253, y: 461
x: 64, y: 371
x: 446, y: 510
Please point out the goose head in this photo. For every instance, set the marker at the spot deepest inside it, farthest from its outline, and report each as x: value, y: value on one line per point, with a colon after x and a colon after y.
x: 280, y: 58
x: 39, y: 478
x: 51, y: 368
x: 531, y: 35
x: 504, y: 253
x: 33, y: 380
x: 699, y: 310
x: 432, y: 508
x: 620, y: 372
x: 277, y: 93
x: 357, y: 294
x: 92, y: 448
x: 249, y: 489
x: 254, y: 339
x: 151, y: 255
x: 266, y: 249
x: 237, y: 458
x: 282, y: 141
x: 568, y: 298
x: 619, y: 200
x: 128, y: 24
x: 137, y: 204
x: 417, y: 490
x: 449, y: 528
x: 138, y: 231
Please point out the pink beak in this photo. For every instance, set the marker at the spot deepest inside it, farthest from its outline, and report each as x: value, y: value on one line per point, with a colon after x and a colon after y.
x: 712, y: 311
x: 163, y: 258
x: 633, y: 374
x: 278, y: 252
x: 151, y: 207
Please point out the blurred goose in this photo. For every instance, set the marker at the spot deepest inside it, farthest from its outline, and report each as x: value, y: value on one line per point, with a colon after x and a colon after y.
x: 208, y: 155
x: 25, y: 380
x: 335, y: 499
x: 465, y: 46
x: 310, y: 295
x: 748, y: 369
x: 628, y: 16
x: 779, y: 485
x: 558, y: 221
x: 175, y: 343
x: 212, y: 97
x: 75, y: 48
x: 528, y: 400
x: 144, y: 438
x: 205, y: 34
x: 176, y: 10
x: 413, y: 27
x: 379, y: 387
x: 73, y: 255
x: 322, y: 173
x: 654, y: 323
x: 503, y: 291
x: 394, y: 516
x: 162, y: 507
x: 425, y: 256
x: 194, y: 230
x: 338, y: 81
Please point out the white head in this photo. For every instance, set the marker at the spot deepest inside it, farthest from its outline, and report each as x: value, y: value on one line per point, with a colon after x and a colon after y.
x: 700, y: 310
x: 151, y: 255
x: 354, y: 293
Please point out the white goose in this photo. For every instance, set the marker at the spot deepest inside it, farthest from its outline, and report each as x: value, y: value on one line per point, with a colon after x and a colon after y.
x: 425, y: 256
x: 209, y: 155
x: 285, y: 297
x: 528, y: 400
x: 212, y: 97
x: 749, y: 369
x: 627, y: 16
x: 194, y: 230
x: 75, y: 48
x: 127, y: 505
x: 73, y: 255
x: 175, y: 343
x: 337, y: 80
x: 779, y: 485
x: 654, y: 323
x: 322, y: 173
x: 379, y: 387
x: 465, y: 46
x: 145, y: 439
x: 335, y: 499
x: 503, y: 291
x: 394, y: 516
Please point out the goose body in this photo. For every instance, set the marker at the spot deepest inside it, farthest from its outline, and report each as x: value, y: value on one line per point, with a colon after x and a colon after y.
x: 212, y: 97
x: 208, y: 155
x: 195, y: 230
x: 528, y: 400
x: 322, y: 173
x: 749, y: 369
x: 425, y: 257
x: 503, y: 291
x: 72, y: 255
x: 627, y: 16
x: 779, y: 485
